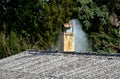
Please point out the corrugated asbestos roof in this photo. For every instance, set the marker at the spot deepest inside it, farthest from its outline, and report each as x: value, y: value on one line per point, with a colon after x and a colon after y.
x: 37, y: 65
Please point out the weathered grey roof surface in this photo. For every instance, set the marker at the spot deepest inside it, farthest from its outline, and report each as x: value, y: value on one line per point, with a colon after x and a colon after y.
x: 36, y: 65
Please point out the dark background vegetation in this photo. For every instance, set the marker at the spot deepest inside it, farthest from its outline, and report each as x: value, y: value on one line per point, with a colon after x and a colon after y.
x: 35, y: 24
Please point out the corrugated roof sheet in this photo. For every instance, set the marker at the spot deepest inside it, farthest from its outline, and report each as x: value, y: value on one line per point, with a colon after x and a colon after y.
x: 37, y: 65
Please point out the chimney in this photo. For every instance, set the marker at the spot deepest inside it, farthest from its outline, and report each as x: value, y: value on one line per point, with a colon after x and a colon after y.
x: 66, y: 39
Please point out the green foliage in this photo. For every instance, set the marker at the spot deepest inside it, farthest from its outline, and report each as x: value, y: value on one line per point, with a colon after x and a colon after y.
x: 91, y: 14
x: 84, y: 2
x: 13, y: 42
x: 104, y: 42
x: 36, y: 24
x: 95, y: 18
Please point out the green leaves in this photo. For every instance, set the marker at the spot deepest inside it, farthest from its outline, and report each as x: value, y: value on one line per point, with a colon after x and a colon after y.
x: 84, y: 2
x: 36, y: 24
x: 95, y: 18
